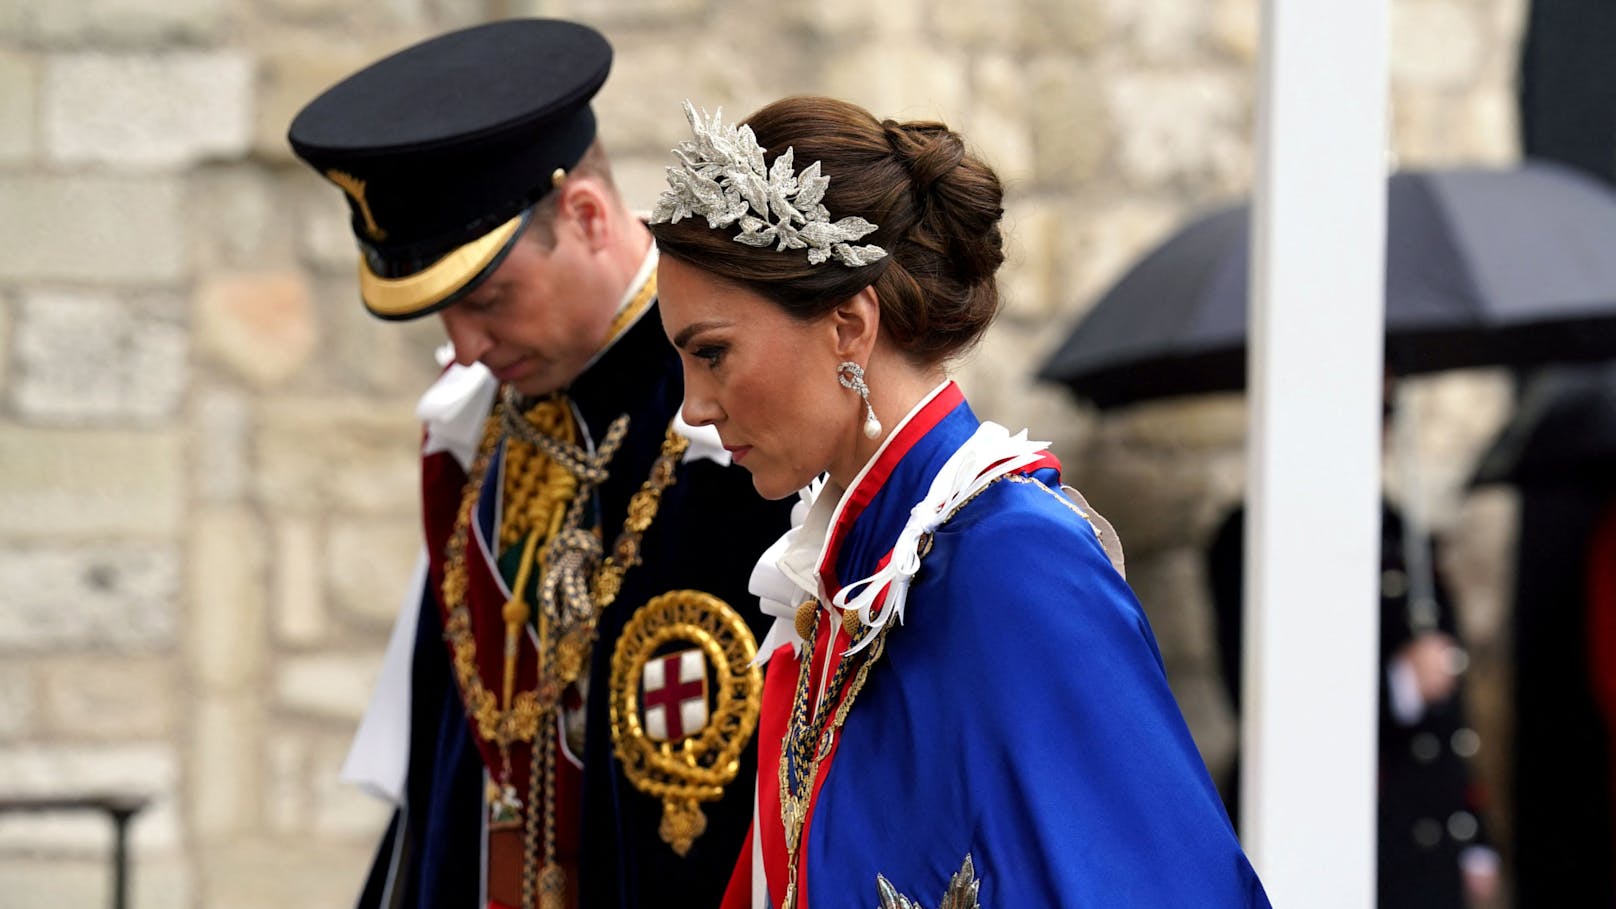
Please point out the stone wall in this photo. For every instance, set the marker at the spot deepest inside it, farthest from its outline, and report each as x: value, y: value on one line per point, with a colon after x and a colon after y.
x: 207, y: 508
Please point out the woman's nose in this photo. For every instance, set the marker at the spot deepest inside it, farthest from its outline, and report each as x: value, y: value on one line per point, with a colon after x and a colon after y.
x: 700, y: 409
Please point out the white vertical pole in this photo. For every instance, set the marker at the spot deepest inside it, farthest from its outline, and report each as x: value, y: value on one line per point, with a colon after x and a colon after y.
x: 1312, y: 538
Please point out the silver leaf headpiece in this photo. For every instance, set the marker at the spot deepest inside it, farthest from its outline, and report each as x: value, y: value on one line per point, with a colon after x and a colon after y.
x: 720, y: 176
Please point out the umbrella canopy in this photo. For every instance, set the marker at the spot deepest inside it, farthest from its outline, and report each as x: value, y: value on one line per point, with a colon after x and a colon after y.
x: 1563, y: 432
x: 1483, y: 267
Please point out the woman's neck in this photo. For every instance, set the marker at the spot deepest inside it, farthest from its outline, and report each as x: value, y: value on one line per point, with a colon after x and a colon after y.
x: 896, y: 386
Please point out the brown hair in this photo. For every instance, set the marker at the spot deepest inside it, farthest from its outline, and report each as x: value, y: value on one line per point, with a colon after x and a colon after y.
x: 936, y: 209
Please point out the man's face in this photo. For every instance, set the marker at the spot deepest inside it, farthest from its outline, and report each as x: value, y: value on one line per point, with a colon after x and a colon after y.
x: 539, y: 317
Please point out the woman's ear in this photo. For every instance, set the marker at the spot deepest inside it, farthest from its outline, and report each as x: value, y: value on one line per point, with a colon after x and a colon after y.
x: 857, y: 322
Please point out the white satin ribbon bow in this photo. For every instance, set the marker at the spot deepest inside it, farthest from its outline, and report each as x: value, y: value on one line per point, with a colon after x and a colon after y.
x: 987, y: 455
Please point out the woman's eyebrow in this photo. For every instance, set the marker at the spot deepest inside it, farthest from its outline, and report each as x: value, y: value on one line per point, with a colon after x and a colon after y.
x: 693, y: 329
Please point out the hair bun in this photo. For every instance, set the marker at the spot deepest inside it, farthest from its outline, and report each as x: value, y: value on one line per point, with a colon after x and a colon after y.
x: 928, y: 150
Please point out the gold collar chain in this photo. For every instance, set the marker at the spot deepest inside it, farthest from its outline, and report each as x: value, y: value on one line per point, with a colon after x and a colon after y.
x: 517, y: 722
x: 808, y: 743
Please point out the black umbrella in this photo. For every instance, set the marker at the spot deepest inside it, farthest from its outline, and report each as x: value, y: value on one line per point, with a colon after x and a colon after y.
x: 1563, y: 432
x: 1483, y: 267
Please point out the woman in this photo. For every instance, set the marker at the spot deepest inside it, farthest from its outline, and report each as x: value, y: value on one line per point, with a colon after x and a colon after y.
x: 968, y: 702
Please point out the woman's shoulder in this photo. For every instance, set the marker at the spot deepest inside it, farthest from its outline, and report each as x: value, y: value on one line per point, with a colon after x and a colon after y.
x: 1027, y: 545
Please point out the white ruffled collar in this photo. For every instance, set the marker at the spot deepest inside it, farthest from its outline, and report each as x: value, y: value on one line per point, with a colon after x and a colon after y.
x: 789, y: 572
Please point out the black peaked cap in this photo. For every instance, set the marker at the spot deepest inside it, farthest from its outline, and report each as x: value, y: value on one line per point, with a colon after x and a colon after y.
x: 442, y: 147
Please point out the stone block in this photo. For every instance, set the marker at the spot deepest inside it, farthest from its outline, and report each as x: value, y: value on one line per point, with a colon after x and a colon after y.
x: 1200, y: 423
x: 34, y: 881
x: 286, y: 795
x: 1066, y: 25
x: 1189, y: 127
x: 300, y: 613
x: 19, y: 701
x: 640, y: 107
x: 1070, y: 123
x: 292, y: 75
x: 227, y: 764
x: 341, y: 811
x: 116, y: 596
x: 997, y: 129
x: 109, y: 698
x: 85, y: 357
x: 1145, y: 495
x: 273, y: 874
x: 114, y: 23
x: 1436, y: 43
x: 19, y: 108
x: 995, y: 26
x: 1205, y: 707
x: 368, y: 567
x: 221, y: 427
x: 900, y: 79
x: 1171, y: 586
x: 227, y: 629
x: 330, y: 684
x: 61, y: 482
x: 242, y: 217
x: 144, y: 112
x: 324, y: 236
x: 92, y: 229
x: 1032, y: 282
x: 350, y: 454
x: 1235, y: 29
x: 362, y: 352
x: 139, y: 769
x: 1109, y: 239
x: 259, y: 325
x: 1160, y: 32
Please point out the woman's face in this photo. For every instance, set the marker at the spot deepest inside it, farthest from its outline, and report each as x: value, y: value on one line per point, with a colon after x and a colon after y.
x: 764, y: 380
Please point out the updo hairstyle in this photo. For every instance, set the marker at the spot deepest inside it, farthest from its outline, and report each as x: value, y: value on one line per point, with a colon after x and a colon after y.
x: 936, y: 209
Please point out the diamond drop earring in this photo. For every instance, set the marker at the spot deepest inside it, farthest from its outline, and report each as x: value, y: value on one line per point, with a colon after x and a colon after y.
x: 851, y: 375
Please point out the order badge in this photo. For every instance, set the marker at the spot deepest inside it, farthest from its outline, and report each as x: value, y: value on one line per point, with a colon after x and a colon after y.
x: 685, y: 701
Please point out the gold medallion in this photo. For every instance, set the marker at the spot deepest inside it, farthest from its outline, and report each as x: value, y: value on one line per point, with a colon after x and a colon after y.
x: 672, y: 744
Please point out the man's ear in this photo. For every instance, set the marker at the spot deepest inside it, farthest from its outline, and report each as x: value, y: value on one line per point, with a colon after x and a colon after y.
x: 585, y: 208
x: 856, y: 322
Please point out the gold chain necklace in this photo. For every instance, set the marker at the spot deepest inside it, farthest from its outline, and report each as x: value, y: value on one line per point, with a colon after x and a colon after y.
x: 807, y: 742
x: 520, y: 718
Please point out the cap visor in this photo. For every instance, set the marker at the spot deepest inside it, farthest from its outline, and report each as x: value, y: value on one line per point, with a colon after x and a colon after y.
x: 440, y: 283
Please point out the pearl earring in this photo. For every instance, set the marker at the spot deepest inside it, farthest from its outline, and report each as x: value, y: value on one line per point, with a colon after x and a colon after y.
x: 851, y: 375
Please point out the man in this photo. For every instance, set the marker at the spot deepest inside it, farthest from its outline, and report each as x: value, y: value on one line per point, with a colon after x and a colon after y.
x: 1432, y: 851
x: 573, y: 690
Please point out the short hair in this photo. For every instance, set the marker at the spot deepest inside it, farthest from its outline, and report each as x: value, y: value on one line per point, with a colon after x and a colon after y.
x: 936, y: 209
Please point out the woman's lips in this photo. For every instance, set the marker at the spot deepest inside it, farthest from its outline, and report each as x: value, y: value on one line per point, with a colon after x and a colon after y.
x: 737, y: 452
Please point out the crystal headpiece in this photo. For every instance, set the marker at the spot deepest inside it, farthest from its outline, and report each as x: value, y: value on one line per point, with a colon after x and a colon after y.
x: 720, y: 176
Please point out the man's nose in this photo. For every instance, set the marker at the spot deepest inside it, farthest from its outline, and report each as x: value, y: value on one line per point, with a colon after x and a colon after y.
x: 469, y: 341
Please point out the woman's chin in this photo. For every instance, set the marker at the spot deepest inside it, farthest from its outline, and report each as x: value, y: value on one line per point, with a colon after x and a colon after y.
x: 774, y: 486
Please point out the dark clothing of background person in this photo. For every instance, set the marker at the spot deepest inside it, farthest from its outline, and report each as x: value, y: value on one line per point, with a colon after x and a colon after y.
x: 1428, y: 811
x: 1561, y: 783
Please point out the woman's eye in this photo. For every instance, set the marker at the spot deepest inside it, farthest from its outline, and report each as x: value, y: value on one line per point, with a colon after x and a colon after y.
x: 711, y: 353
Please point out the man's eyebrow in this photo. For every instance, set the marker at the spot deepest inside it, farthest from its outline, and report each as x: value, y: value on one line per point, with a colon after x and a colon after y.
x: 693, y: 329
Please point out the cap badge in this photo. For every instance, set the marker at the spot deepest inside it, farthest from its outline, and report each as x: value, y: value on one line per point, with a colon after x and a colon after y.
x: 355, y: 187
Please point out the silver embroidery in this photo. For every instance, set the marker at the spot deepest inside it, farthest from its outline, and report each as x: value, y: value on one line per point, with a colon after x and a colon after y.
x: 962, y: 891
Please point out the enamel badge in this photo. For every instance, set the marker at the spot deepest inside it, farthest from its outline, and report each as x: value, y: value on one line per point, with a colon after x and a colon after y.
x: 685, y: 700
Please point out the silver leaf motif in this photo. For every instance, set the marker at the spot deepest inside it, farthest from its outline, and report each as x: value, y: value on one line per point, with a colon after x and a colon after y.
x: 721, y: 177
x: 963, y: 888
